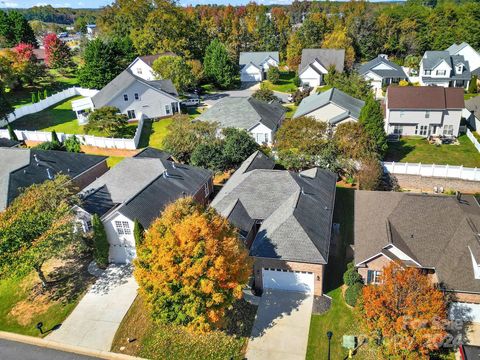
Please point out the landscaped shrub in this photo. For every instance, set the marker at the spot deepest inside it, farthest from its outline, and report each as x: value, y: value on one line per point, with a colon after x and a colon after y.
x: 50, y: 145
x: 34, y: 98
x: 472, y: 87
x: 300, y: 95
x: 353, y: 293
x: 100, y: 242
x: 45, y: 93
x: 138, y: 233
x: 273, y: 75
x: 72, y: 144
x: 351, y: 277
x: 296, y: 81
x: 11, y: 133
x: 403, y: 83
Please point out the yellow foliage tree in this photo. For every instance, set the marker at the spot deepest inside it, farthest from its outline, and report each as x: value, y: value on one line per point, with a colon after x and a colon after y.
x: 191, y: 266
x: 339, y: 39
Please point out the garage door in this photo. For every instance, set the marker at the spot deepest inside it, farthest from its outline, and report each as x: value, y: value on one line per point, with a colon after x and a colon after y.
x: 288, y: 280
x: 465, y: 312
x: 251, y: 77
x: 122, y: 254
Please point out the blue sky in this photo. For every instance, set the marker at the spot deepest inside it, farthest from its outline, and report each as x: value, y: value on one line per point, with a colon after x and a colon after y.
x: 99, y: 3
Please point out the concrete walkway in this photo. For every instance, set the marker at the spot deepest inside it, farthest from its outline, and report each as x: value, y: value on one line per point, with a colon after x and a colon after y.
x: 97, y: 316
x: 281, y: 326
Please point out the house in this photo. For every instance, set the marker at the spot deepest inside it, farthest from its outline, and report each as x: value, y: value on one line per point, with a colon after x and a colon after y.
x: 423, y: 110
x: 285, y: 219
x: 472, y: 112
x: 259, y: 118
x: 316, y: 63
x: 332, y: 106
x: 469, y: 54
x: 133, y: 96
x: 254, y: 65
x: 437, y: 234
x: 142, y: 66
x: 381, y: 72
x: 139, y: 188
x: 440, y: 68
x: 24, y: 167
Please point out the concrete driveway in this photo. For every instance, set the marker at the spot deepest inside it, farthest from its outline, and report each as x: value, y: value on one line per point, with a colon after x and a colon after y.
x: 94, y: 321
x: 281, y: 326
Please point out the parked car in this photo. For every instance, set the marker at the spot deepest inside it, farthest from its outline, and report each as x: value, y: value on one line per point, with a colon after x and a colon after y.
x: 290, y: 98
x: 191, y: 102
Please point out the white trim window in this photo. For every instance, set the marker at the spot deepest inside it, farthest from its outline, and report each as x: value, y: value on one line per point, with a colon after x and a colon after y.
x: 448, y: 130
x: 125, y: 97
x: 423, y: 130
x: 206, y: 188
x: 122, y: 228
x: 168, y: 109
x: 427, y: 72
x: 136, y: 96
x: 398, y: 130
x: 373, y: 276
x: 139, y: 70
x: 442, y: 72
x: 131, y: 114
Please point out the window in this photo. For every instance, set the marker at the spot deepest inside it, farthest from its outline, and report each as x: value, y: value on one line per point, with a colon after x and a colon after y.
x: 125, y: 97
x: 423, y: 130
x: 175, y: 107
x: 266, y: 138
x: 206, y: 188
x: 136, y: 96
x: 131, y: 114
x: 459, y: 69
x: 448, y: 130
x: 139, y: 71
x: 373, y: 276
x: 168, y: 110
x: 122, y: 227
x: 442, y: 72
x: 427, y: 72
x: 427, y: 114
x: 398, y: 130
x: 416, y: 129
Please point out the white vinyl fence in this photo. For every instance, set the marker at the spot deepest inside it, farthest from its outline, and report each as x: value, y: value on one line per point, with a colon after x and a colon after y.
x: 473, y: 139
x: 432, y: 170
x: 49, y: 101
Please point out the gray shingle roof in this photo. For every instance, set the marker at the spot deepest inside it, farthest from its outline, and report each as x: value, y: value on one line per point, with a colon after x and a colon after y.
x: 8, y: 143
x: 21, y: 169
x: 473, y: 105
x: 244, y: 113
x: 455, y: 48
x: 395, y: 72
x: 315, y: 101
x: 296, y: 210
x: 326, y: 57
x: 150, y: 152
x: 257, y: 58
x: 435, y: 231
x: 431, y: 59
x: 123, y: 81
x: 141, y: 187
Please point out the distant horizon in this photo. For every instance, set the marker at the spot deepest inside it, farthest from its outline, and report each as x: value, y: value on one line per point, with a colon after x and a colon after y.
x: 97, y: 4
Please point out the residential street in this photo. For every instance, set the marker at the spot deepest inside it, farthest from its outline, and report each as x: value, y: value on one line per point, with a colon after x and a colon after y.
x: 96, y: 318
x: 12, y: 350
x: 211, y: 99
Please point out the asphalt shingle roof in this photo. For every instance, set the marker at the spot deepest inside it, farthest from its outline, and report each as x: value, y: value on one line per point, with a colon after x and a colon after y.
x: 150, y: 152
x: 296, y: 210
x: 8, y: 143
x: 23, y: 167
x: 436, y: 231
x: 473, y: 105
x: 257, y: 58
x: 424, y: 97
x: 431, y: 59
x: 396, y: 71
x: 315, y: 101
x: 244, y: 113
x: 326, y: 57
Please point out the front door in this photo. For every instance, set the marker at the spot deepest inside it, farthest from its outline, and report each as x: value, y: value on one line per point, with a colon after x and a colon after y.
x: 432, y: 130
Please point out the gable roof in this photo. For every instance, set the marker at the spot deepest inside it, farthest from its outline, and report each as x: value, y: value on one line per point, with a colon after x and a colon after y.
x: 473, y: 105
x: 431, y: 59
x: 24, y: 167
x: 150, y: 152
x: 141, y: 187
x: 396, y: 71
x: 296, y: 209
x: 434, y: 230
x: 424, y: 97
x: 150, y: 59
x: 227, y: 110
x: 326, y: 57
x: 257, y: 57
x: 454, y: 49
x: 126, y: 79
x: 315, y: 101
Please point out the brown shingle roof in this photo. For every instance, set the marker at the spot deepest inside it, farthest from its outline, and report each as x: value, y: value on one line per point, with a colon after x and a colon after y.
x: 424, y: 97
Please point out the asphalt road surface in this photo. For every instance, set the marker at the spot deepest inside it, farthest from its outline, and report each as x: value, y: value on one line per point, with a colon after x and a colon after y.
x: 11, y: 350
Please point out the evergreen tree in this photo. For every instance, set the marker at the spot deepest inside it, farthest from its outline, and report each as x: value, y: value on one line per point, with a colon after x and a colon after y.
x: 138, y: 232
x: 45, y: 93
x: 72, y: 144
x: 11, y: 133
x: 371, y: 117
x: 472, y: 87
x: 39, y: 95
x: 100, y: 242
x: 55, y: 139
x: 34, y: 98
x: 5, y: 107
x: 218, y: 66
x: 21, y: 31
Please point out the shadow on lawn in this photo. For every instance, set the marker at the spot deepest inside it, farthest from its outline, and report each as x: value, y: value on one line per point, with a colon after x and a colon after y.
x: 147, y: 131
x: 398, y: 150
x: 51, y: 117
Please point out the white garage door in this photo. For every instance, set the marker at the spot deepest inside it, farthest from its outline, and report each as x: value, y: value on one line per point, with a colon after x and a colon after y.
x: 464, y: 311
x: 251, y: 77
x: 288, y: 280
x: 122, y: 254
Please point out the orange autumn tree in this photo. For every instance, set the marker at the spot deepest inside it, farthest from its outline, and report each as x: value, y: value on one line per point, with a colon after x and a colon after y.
x: 407, y: 311
x: 191, y: 266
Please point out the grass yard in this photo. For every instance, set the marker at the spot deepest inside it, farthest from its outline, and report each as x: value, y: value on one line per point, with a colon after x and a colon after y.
x: 195, y: 111
x: 159, y: 341
x: 469, y: 96
x: 23, y: 302
x: 154, y: 132
x: 290, y: 111
x: 285, y: 83
x: 61, y: 118
x: 323, y: 88
x: 418, y: 150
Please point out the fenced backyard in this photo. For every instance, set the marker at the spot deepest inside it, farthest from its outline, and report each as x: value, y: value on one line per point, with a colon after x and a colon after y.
x: 432, y: 170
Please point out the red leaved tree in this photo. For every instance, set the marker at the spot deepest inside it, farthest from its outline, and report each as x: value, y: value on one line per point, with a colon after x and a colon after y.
x: 407, y: 311
x: 57, y: 53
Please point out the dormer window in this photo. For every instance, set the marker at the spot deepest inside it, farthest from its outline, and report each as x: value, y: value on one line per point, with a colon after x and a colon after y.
x: 459, y: 68
x: 125, y: 97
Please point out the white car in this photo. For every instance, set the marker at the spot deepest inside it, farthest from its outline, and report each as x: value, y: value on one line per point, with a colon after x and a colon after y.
x: 290, y: 98
x: 191, y: 102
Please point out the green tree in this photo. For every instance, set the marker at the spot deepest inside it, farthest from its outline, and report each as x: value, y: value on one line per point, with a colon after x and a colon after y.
x: 15, y: 29
x: 72, y: 144
x: 55, y: 139
x: 103, y: 61
x: 371, y: 117
x: 273, y: 74
x: 218, y: 66
x: 210, y: 156
x: 100, y: 242
x: 472, y: 86
x: 264, y: 94
x: 353, y: 142
x: 176, y: 69
x: 11, y: 133
x: 238, y: 145
x: 45, y: 93
x: 108, y: 120
x: 185, y: 135
x: 39, y: 95
x: 138, y: 233
x: 34, y: 98
x: 5, y: 107
x: 37, y: 226
x: 370, y: 174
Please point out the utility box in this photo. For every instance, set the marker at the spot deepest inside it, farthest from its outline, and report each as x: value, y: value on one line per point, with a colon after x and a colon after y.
x: 349, y: 341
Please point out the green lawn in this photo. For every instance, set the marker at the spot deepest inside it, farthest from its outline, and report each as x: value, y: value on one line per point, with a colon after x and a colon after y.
x: 323, y: 88
x: 290, y: 111
x: 285, y: 83
x: 154, y: 133
x: 469, y: 96
x: 418, y: 150
x: 114, y: 160
x: 61, y: 118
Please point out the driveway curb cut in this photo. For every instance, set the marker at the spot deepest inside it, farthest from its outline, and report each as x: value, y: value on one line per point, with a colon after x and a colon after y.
x: 64, y: 347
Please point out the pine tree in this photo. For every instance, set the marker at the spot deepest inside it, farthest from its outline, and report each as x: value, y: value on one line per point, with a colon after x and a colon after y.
x: 34, y: 98
x: 218, y: 66
x: 101, y: 246
x: 371, y: 117
x: 45, y: 93
x: 5, y: 107
x: 472, y: 87
x: 55, y: 139
x: 39, y: 95
x: 138, y: 232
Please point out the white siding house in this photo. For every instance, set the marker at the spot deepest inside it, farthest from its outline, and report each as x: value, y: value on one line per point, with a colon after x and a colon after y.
x: 469, y: 54
x: 254, y: 65
x: 315, y: 64
x: 142, y: 65
x: 381, y: 72
x: 439, y: 68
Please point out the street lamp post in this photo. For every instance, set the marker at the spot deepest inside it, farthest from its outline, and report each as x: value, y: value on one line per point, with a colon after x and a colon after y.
x: 329, y: 336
